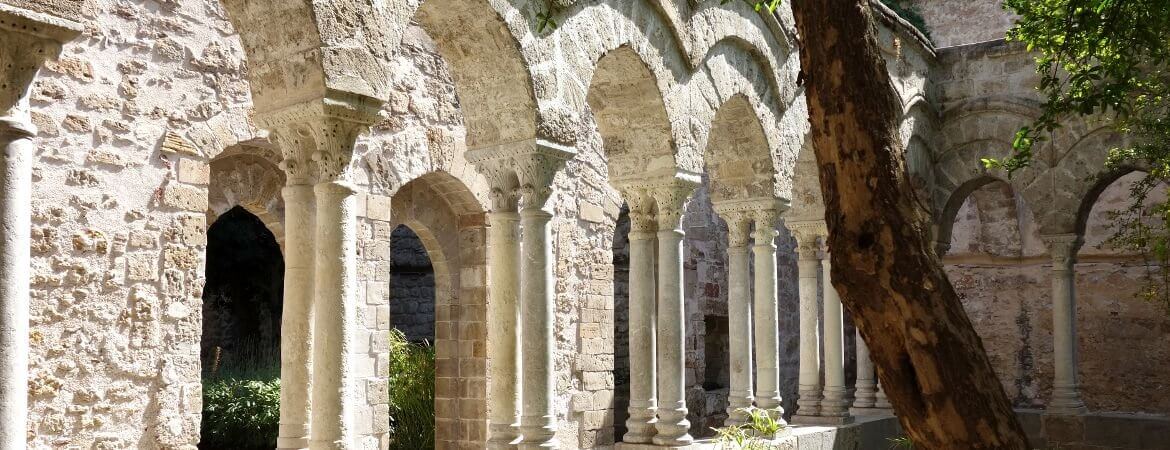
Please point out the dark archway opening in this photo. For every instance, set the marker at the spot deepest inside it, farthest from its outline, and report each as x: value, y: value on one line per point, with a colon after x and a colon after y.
x: 240, y: 347
x: 621, y: 324
x: 412, y: 286
x: 243, y: 296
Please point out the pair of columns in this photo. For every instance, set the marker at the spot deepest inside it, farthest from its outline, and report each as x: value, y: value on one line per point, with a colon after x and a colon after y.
x: 521, y: 292
x: 754, y: 321
x: 320, y: 300
x: 658, y: 411
x: 828, y: 403
x: 28, y: 38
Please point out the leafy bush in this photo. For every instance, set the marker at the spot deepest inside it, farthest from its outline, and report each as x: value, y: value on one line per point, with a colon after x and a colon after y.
x: 412, y: 394
x: 761, y: 428
x: 240, y: 412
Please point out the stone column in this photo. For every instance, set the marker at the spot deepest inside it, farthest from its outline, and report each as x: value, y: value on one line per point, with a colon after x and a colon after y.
x: 317, y: 137
x: 739, y: 316
x: 642, y: 319
x: 28, y: 39
x: 15, y: 219
x: 1066, y: 397
x: 296, y: 327
x: 535, y: 173
x: 807, y: 236
x: 865, y: 394
x: 835, y: 404
x: 766, y: 309
x: 503, y: 311
x: 673, y: 426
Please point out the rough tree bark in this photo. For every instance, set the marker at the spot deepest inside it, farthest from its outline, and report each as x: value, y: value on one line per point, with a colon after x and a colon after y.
x: 930, y: 360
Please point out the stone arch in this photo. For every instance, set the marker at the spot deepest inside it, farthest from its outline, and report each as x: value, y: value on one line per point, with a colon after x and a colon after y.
x: 1072, y: 172
x: 631, y: 115
x: 917, y: 132
x: 947, y: 216
x: 969, y: 134
x: 1095, y: 186
x: 244, y: 178
x: 738, y: 160
x: 491, y: 76
x: 807, y: 201
x: 451, y: 225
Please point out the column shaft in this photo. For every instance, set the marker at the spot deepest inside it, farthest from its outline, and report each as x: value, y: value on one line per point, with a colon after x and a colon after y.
x: 739, y: 312
x: 15, y: 219
x: 673, y: 426
x: 504, y: 329
x: 835, y: 402
x: 334, y: 311
x: 865, y: 394
x: 643, y: 330
x: 809, y: 380
x: 1066, y: 397
x: 296, y: 327
x: 766, y: 320
x: 537, y: 418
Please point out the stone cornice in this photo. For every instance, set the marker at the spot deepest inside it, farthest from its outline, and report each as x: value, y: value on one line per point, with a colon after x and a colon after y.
x: 28, y: 39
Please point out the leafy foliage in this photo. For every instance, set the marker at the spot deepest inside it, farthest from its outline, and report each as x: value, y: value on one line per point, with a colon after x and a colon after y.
x: 901, y: 443
x: 412, y: 394
x: 240, y: 412
x: 756, y: 434
x: 910, y: 13
x: 1106, y: 58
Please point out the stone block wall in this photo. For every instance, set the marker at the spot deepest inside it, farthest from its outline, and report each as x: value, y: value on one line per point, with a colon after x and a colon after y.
x: 412, y: 287
x: 958, y: 22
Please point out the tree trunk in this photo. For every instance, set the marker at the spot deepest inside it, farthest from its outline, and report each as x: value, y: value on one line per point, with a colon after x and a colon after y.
x: 930, y: 360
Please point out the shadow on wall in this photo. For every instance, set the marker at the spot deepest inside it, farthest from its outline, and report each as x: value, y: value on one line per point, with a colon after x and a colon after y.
x: 412, y: 287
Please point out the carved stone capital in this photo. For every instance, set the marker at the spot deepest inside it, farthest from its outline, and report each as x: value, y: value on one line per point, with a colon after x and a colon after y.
x: 1063, y: 248
x: 317, y: 137
x: 740, y: 214
x: 523, y: 169
x: 30, y: 38
x: 641, y: 204
x: 810, y: 235
x: 670, y: 191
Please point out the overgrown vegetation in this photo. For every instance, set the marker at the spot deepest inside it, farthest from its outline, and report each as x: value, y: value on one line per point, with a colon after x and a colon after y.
x: 1109, y: 59
x: 757, y: 434
x: 240, y: 411
x: 910, y: 13
x: 412, y: 394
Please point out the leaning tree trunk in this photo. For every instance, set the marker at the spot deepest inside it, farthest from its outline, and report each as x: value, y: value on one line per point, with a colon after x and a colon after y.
x: 928, y: 357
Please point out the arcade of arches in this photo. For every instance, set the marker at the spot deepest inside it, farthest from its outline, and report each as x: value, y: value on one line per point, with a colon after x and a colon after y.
x: 620, y: 218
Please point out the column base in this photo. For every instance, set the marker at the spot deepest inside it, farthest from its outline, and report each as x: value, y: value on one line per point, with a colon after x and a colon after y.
x: 822, y: 420
x: 871, y: 411
x: 1066, y: 403
x: 648, y: 446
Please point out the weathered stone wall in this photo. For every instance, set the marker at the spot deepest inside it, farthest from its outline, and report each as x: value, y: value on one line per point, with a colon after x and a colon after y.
x: 412, y: 287
x: 958, y: 22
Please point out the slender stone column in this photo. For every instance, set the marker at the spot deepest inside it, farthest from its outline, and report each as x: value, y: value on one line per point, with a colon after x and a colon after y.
x: 28, y: 39
x: 296, y: 327
x: 642, y: 319
x: 673, y: 426
x: 504, y: 317
x: 535, y: 171
x: 766, y: 317
x: 334, y: 312
x: 809, y: 382
x: 1066, y: 397
x: 865, y: 394
x: 739, y: 316
x: 835, y: 403
x: 503, y: 300
x: 15, y: 204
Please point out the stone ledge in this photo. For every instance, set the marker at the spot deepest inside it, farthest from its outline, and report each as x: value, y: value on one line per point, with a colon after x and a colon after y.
x: 865, y: 433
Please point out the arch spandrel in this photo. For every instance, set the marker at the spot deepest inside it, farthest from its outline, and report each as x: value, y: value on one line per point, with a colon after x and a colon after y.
x: 739, y: 162
x: 631, y: 115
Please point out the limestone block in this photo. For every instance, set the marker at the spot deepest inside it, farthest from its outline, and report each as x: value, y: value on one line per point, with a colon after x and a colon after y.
x: 193, y: 171
x: 185, y: 197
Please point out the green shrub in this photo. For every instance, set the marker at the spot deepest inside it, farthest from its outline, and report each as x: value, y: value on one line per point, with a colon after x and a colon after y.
x: 412, y: 394
x: 240, y: 412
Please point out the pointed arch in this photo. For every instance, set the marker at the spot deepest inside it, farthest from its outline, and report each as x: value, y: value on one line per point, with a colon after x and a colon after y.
x: 630, y: 115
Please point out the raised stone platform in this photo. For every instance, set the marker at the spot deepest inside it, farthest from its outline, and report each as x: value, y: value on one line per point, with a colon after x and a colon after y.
x: 864, y: 433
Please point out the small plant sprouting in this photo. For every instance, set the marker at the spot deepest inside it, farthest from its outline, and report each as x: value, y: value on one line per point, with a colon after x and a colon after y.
x: 761, y: 427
